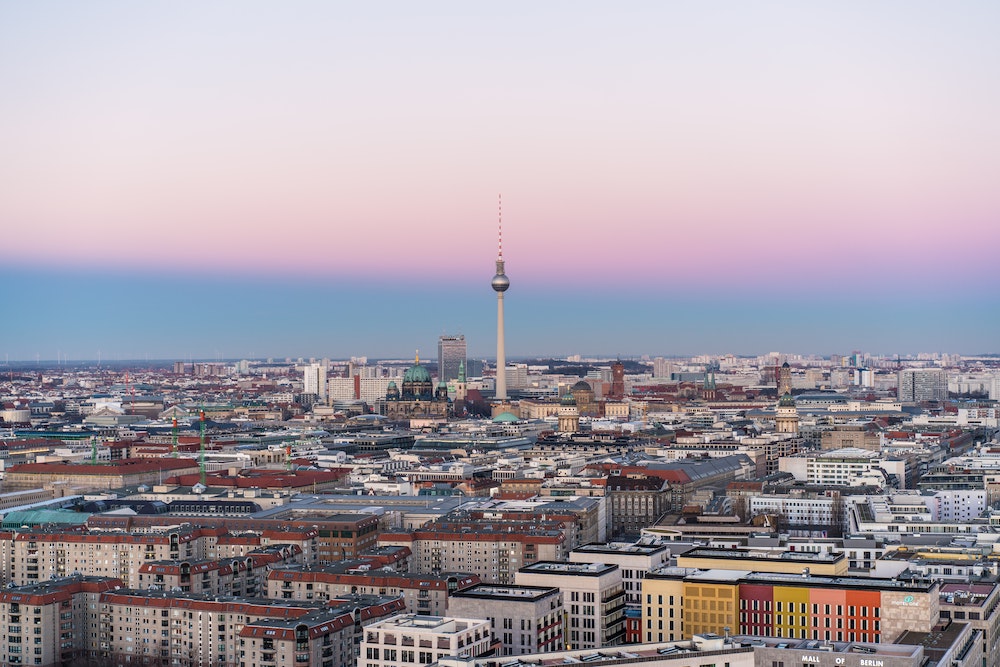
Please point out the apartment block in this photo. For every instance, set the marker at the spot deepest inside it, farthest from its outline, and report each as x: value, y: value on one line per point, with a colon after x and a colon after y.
x: 633, y: 561
x: 593, y: 597
x: 421, y: 593
x: 525, y: 619
x: 39, y: 555
x: 244, y: 576
x: 52, y: 623
x: 166, y: 628
x: 489, y: 553
x: 408, y: 639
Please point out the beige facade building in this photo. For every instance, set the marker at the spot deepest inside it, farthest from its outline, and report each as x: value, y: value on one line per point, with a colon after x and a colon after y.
x: 633, y: 561
x: 593, y: 597
x: 54, y: 623
x: 525, y: 619
x: 245, y: 576
x: 93, y: 621
x: 408, y: 639
x: 493, y: 555
x: 38, y: 555
x: 421, y: 593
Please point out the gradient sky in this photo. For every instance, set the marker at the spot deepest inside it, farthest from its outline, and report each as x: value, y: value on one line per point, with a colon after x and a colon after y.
x: 186, y: 179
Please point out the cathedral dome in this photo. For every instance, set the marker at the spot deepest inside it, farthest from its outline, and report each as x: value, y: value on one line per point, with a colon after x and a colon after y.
x: 786, y: 401
x: 416, y: 373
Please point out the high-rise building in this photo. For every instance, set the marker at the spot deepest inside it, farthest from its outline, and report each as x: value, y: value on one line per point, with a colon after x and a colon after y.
x: 922, y: 384
x: 500, y: 284
x: 662, y: 368
x: 451, y: 355
x: 314, y: 381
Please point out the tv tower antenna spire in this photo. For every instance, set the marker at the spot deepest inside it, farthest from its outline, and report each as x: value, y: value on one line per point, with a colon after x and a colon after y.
x: 500, y: 284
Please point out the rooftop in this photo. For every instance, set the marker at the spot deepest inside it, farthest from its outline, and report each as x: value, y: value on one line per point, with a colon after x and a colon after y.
x: 509, y: 592
x: 571, y: 569
x: 621, y: 548
x: 784, y: 556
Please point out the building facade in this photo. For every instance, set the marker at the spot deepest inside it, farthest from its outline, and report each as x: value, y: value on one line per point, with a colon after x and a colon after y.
x: 593, y: 597
x: 525, y: 619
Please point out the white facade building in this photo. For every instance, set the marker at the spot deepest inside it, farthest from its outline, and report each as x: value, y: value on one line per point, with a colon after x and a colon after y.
x: 314, y: 381
x: 410, y: 639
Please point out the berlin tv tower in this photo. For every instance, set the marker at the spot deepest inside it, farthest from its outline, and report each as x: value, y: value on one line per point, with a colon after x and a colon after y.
x: 500, y: 284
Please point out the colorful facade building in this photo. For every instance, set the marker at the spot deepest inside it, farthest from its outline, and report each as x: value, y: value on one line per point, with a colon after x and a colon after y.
x: 682, y: 603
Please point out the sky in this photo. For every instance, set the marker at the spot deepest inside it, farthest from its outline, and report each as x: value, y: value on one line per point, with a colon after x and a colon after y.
x: 236, y: 179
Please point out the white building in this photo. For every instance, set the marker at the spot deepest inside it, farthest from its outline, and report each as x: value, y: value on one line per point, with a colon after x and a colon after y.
x: 409, y: 639
x: 593, y: 597
x: 371, y: 390
x: 799, y: 510
x: 848, y: 466
x: 633, y: 560
x: 314, y: 381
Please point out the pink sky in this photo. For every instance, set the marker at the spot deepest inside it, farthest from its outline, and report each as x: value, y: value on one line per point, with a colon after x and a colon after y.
x: 829, y: 141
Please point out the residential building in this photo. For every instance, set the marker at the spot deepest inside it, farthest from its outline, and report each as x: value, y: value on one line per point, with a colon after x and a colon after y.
x: 525, y: 619
x: 593, y: 597
x: 915, y: 385
x: 633, y: 561
x: 314, y: 381
x: 493, y: 554
x: 408, y: 639
x: 421, y: 593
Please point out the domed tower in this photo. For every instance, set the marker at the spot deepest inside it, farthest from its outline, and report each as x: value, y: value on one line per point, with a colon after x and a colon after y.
x: 392, y: 391
x: 569, y: 415
x: 417, y: 383
x: 786, y: 416
x: 784, y: 379
x: 583, y: 395
x: 500, y: 284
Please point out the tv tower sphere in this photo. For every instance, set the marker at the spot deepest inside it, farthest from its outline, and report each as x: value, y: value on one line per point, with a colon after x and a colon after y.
x: 500, y: 282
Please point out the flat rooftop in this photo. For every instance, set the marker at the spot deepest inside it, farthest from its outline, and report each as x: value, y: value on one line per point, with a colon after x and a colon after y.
x: 438, y: 624
x: 621, y: 548
x: 757, y: 554
x: 579, y: 569
x: 510, y: 592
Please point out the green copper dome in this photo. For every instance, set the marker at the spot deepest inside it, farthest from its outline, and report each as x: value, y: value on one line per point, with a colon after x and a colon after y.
x: 786, y: 401
x: 416, y: 373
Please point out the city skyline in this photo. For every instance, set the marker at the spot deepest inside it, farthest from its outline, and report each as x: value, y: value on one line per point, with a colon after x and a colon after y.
x: 239, y: 179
